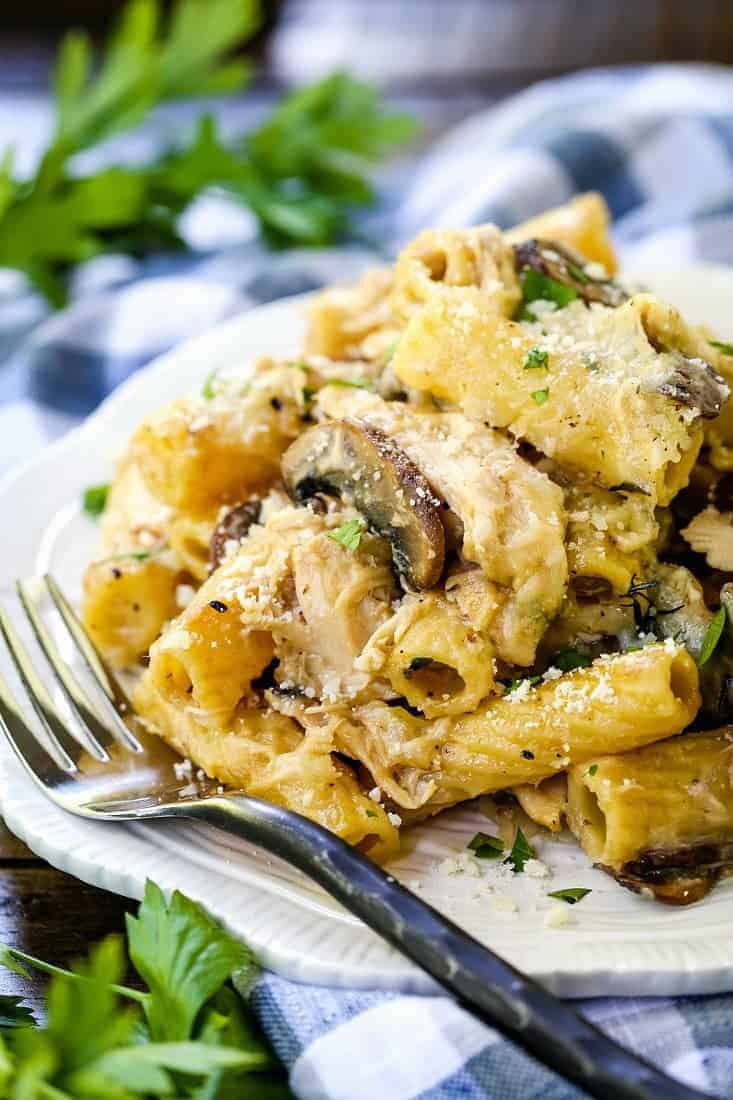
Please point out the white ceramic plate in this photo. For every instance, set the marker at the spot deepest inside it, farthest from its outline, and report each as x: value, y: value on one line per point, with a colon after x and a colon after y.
x: 616, y: 943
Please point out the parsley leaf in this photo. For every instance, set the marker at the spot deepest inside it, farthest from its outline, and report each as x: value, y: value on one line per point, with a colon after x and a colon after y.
x: 536, y: 359
x: 727, y: 349
x: 209, y: 390
x: 540, y: 396
x: 13, y: 1013
x: 569, y: 659
x: 348, y: 534
x: 355, y: 383
x: 713, y: 635
x: 183, y: 956
x: 521, y: 851
x: 301, y: 173
x: 485, y: 846
x: 531, y: 680
x: 94, y: 1046
x: 537, y: 287
x: 94, y: 499
x: 572, y: 895
x: 592, y: 769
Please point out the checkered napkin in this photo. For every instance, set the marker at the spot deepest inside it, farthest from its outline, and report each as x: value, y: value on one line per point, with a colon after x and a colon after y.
x: 659, y: 144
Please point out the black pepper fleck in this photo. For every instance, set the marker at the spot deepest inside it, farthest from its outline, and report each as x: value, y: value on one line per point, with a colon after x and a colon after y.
x: 527, y: 754
x: 217, y: 605
x: 276, y: 403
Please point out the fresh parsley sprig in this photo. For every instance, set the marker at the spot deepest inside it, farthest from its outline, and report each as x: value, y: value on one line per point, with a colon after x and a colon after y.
x: 301, y: 173
x: 187, y: 1034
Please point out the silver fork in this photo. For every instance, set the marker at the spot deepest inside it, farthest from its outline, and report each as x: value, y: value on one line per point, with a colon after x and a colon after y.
x: 113, y: 770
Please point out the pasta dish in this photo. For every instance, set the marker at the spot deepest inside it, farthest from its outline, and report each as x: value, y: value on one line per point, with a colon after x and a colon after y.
x: 477, y: 537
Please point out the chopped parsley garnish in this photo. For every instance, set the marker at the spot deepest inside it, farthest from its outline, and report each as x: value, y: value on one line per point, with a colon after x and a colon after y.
x: 541, y: 288
x: 713, y: 635
x: 540, y: 396
x: 348, y: 534
x: 572, y: 895
x: 309, y: 393
x: 537, y: 359
x: 592, y: 769
x: 209, y: 389
x: 521, y: 851
x: 353, y: 383
x: 371, y: 813
x: 531, y: 680
x: 727, y: 349
x: 94, y: 499
x: 485, y: 846
x: 568, y: 659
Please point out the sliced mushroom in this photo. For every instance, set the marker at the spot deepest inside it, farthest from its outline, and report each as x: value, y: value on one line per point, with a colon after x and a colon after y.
x: 361, y: 464
x: 232, y: 526
x: 566, y: 266
x: 677, y: 877
x: 693, y: 383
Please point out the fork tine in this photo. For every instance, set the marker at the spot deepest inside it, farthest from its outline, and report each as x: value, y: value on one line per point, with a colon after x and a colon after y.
x: 32, y: 754
x: 98, y: 737
x: 62, y: 744
x: 119, y: 704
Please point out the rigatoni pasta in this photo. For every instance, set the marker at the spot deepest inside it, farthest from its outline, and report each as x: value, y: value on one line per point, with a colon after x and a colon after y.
x: 472, y: 539
x: 659, y: 819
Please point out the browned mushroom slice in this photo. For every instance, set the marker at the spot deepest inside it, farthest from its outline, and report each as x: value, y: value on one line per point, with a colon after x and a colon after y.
x: 232, y: 526
x: 568, y: 267
x: 361, y: 464
x: 693, y: 383
x: 676, y: 877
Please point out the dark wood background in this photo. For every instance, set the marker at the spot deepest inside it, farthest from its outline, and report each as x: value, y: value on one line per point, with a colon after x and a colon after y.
x: 46, y: 912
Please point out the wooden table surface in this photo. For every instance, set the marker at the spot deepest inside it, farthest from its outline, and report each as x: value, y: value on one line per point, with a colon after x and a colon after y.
x: 49, y: 914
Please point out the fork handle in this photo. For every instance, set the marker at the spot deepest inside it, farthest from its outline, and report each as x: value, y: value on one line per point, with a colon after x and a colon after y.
x: 487, y: 986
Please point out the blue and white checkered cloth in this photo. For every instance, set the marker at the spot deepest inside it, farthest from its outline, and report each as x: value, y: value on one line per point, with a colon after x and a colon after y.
x: 659, y: 144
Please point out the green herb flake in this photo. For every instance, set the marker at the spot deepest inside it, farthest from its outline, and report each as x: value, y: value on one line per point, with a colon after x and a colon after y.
x: 537, y: 287
x: 713, y: 635
x: 727, y: 349
x: 94, y: 499
x: 537, y: 359
x: 569, y: 659
x: 485, y: 846
x: 521, y: 852
x: 371, y: 813
x: 540, y: 396
x: 572, y: 895
x: 531, y: 680
x: 348, y: 534
x: 389, y: 353
x: 353, y: 383
x: 592, y: 769
x: 309, y: 393
x: 209, y: 389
